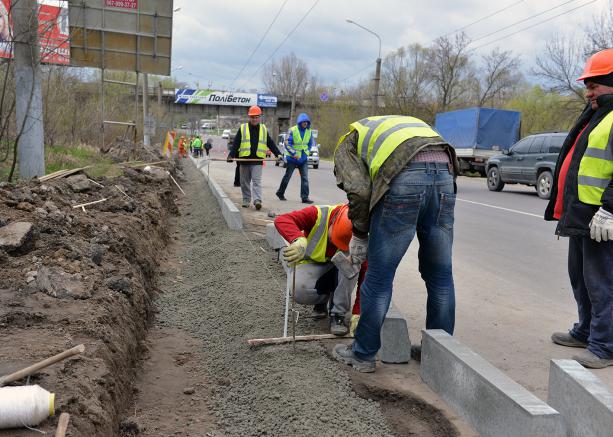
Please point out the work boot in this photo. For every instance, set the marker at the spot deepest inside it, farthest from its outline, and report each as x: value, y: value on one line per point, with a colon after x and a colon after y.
x: 258, y: 205
x: 344, y: 354
x: 337, y: 325
x: 592, y: 361
x: 280, y: 196
x: 320, y: 311
x: 565, y: 339
x: 245, y: 204
x: 307, y: 201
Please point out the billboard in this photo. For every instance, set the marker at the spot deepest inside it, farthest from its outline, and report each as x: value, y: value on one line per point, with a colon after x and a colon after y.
x: 267, y: 101
x: 127, y: 35
x: 189, y: 96
x: 53, y: 31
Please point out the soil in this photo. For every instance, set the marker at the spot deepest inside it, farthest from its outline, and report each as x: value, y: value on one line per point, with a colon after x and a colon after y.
x: 164, y: 296
x: 82, y: 277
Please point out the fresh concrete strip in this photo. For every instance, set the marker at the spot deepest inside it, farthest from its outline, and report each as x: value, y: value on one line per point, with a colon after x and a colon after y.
x: 230, y: 212
x: 583, y: 400
x: 491, y: 401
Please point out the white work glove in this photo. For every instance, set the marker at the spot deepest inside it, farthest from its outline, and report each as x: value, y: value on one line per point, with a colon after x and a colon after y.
x: 601, y: 226
x: 358, y: 248
x: 294, y: 253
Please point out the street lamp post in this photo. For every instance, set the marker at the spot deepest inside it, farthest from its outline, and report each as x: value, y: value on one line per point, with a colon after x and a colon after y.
x: 375, y: 97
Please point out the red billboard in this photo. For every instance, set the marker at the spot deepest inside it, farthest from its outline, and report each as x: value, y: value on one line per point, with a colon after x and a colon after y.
x: 53, y: 31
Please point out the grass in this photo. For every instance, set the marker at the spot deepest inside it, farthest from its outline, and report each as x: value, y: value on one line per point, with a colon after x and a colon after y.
x: 69, y: 157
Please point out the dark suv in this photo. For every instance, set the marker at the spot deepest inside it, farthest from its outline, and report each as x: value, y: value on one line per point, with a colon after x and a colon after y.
x: 530, y: 161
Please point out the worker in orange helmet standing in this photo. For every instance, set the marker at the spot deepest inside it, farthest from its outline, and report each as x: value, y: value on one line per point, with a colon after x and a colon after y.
x: 582, y: 202
x: 250, y: 144
x: 325, y: 276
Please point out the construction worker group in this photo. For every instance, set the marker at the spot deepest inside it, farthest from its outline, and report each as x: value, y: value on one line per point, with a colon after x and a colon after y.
x: 399, y: 176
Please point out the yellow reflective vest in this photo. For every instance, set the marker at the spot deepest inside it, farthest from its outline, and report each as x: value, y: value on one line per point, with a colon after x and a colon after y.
x: 379, y: 136
x: 244, y: 149
x: 317, y: 240
x: 596, y: 166
x: 299, y: 143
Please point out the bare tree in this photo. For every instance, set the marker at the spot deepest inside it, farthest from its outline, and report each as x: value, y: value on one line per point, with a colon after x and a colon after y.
x: 499, y: 77
x: 288, y: 77
x: 561, y: 64
x: 449, y: 65
x: 406, y: 80
x: 600, y: 33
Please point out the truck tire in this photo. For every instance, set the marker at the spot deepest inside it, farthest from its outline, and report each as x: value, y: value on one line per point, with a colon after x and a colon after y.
x: 276, y: 163
x: 315, y: 166
x: 543, y: 184
x: 494, y: 182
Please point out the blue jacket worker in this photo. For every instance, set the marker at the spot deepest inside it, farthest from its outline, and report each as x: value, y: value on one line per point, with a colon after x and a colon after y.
x: 297, y: 148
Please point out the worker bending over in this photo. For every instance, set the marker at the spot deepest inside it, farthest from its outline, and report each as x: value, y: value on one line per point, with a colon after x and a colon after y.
x: 317, y: 234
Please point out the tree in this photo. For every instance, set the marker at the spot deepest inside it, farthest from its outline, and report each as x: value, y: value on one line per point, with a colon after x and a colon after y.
x: 600, y: 33
x: 561, y: 64
x: 288, y: 77
x: 543, y: 111
x: 450, y: 69
x: 406, y: 81
x: 499, y: 77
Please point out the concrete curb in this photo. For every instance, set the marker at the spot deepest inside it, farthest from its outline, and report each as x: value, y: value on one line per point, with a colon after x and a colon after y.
x: 229, y: 211
x: 582, y: 399
x: 487, y: 398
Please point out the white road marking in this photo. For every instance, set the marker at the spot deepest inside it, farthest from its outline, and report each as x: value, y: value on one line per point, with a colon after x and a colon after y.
x: 500, y: 207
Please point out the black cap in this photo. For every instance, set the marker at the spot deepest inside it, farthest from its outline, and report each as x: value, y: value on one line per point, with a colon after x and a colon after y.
x: 605, y: 79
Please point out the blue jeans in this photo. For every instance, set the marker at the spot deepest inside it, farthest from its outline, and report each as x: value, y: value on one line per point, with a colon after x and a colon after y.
x: 304, y: 179
x: 590, y: 268
x: 420, y: 200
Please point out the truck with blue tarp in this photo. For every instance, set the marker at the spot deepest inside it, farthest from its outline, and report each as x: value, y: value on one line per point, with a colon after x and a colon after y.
x: 478, y: 134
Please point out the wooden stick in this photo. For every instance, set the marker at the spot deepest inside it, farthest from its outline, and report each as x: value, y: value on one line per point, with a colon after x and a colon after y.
x: 281, y: 340
x: 173, y: 179
x: 41, y: 365
x: 123, y: 192
x: 62, y: 425
x: 89, y: 203
x: 91, y: 180
x: 140, y: 164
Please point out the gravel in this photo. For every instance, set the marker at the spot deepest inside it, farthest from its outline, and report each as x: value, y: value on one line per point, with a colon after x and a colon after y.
x: 233, y: 290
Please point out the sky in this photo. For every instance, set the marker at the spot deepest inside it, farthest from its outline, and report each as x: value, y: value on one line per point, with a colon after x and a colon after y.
x: 218, y: 43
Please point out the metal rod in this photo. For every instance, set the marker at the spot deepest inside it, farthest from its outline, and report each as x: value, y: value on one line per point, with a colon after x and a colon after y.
x: 293, y: 310
x: 120, y: 82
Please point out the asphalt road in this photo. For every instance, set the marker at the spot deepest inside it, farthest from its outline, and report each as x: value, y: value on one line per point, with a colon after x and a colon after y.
x: 512, y: 288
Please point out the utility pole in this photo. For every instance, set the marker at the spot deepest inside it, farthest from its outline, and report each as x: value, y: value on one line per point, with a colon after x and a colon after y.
x: 375, y: 97
x: 28, y: 94
x: 146, y: 118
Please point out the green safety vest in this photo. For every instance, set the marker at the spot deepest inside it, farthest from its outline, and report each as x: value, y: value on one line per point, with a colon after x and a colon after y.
x: 379, y: 136
x: 300, y: 144
x: 197, y: 144
x: 596, y: 167
x: 244, y: 149
x: 317, y: 241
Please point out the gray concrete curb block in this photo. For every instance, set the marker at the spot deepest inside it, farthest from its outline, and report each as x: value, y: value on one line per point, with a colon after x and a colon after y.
x: 274, y: 239
x: 229, y: 211
x: 487, y: 398
x: 395, y: 342
x: 582, y: 399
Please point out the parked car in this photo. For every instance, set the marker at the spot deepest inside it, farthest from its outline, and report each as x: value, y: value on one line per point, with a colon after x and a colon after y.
x: 531, y: 161
x: 313, y: 157
x: 225, y: 134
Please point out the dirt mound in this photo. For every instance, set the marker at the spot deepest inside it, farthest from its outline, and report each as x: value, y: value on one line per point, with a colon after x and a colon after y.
x: 81, y: 275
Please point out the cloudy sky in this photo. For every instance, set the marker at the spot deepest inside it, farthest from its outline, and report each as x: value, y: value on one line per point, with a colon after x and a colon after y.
x: 215, y: 40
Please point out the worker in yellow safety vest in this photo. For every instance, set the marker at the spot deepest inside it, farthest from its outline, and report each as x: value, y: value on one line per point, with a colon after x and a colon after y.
x: 250, y: 144
x: 582, y: 202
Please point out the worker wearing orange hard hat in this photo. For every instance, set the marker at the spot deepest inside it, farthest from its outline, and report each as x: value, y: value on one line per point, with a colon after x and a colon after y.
x: 319, y: 238
x: 250, y: 144
x: 582, y: 202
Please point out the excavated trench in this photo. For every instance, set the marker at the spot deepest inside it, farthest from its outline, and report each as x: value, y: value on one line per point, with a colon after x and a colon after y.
x: 164, y: 297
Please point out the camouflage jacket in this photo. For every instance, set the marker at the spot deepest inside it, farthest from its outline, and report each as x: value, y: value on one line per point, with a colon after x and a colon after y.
x: 352, y: 174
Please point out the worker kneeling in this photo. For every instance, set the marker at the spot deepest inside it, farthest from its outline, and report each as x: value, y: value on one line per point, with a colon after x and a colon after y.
x: 325, y: 276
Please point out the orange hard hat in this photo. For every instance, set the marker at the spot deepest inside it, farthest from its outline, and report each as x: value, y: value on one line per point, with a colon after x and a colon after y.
x: 254, y: 111
x: 599, y: 64
x: 340, y: 230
